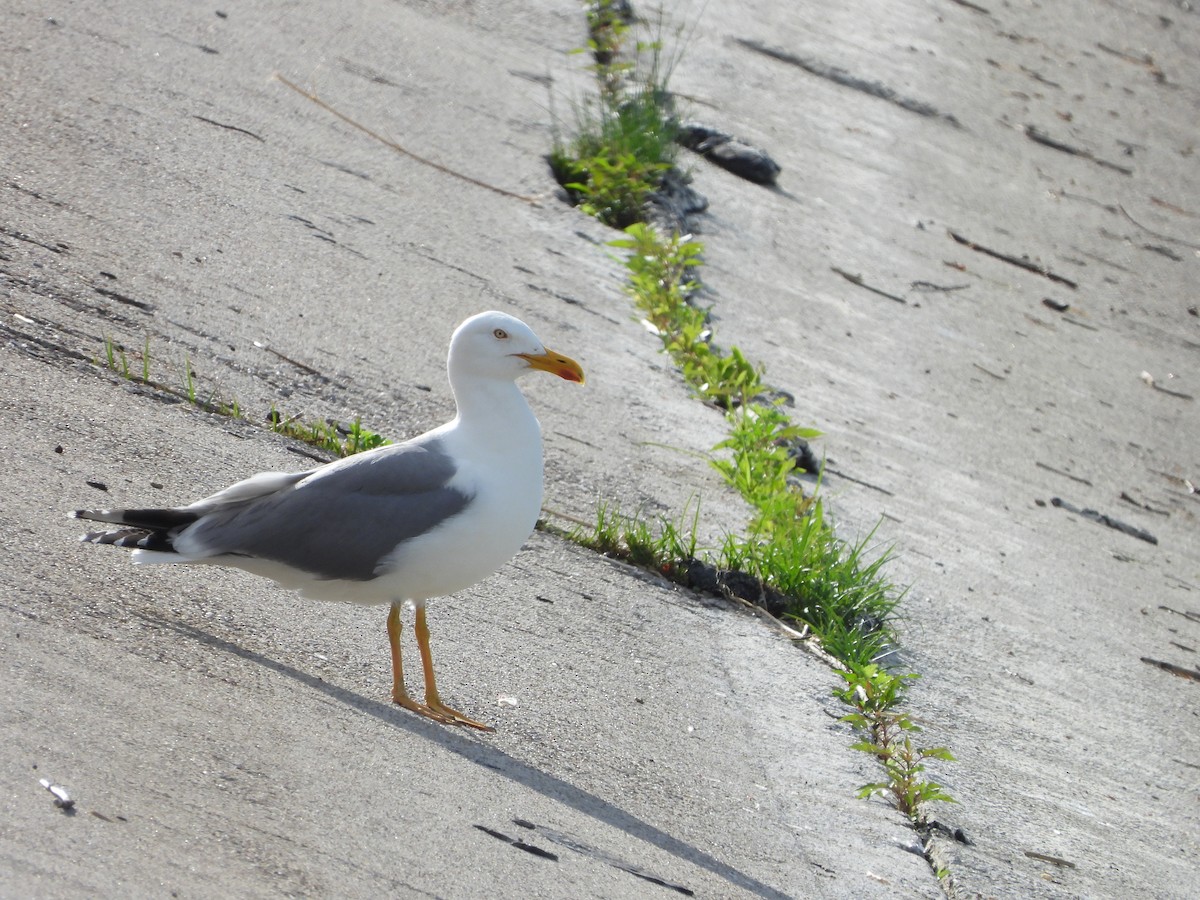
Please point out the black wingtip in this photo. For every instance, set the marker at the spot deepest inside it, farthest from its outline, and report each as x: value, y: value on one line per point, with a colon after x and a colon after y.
x: 143, y: 519
x: 141, y: 529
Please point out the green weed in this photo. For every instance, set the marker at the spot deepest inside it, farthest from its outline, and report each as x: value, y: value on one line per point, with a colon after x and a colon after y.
x: 617, y: 160
x: 633, y: 539
x: 790, y: 547
x: 625, y: 138
x: 623, y: 146
x: 874, y: 694
x: 607, y: 28
x: 114, y: 352
x: 189, y: 383
x: 327, y: 436
x: 759, y: 464
x: 835, y: 587
x: 360, y: 439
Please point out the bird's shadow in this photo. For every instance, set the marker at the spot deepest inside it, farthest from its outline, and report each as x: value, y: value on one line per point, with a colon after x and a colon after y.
x: 469, y: 748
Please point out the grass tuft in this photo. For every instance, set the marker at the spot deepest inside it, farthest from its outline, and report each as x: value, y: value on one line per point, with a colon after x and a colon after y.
x: 625, y: 138
x: 327, y: 435
x: 632, y: 538
x: 335, y: 439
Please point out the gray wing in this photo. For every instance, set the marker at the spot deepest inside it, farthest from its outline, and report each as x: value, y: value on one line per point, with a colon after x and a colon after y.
x: 341, y: 520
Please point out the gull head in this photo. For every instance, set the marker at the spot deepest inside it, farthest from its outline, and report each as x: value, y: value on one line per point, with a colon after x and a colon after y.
x: 497, y: 345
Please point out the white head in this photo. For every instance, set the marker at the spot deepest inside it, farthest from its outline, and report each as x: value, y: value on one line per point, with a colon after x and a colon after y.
x: 499, y: 346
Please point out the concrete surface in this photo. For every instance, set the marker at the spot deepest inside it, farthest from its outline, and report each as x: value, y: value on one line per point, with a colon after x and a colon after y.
x: 969, y: 410
x: 221, y: 737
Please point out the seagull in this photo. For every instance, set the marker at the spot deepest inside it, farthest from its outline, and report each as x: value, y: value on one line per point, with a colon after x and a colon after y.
x: 400, y: 524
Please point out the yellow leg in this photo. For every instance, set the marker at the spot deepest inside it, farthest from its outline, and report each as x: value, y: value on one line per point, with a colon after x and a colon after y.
x: 433, y: 703
x: 399, y: 692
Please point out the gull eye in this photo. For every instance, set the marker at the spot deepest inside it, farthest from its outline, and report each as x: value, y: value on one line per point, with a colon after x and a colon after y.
x: 500, y: 334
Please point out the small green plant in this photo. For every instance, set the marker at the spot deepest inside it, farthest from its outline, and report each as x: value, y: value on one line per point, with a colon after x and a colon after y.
x: 360, y: 439
x: 605, y: 536
x: 189, y: 383
x: 759, y: 464
x: 229, y: 408
x: 114, y: 352
x: 874, y: 694
x: 790, y: 546
x: 661, y: 279
x: 327, y: 435
x: 117, y: 360
x: 632, y: 539
x: 625, y: 138
x: 618, y: 159
x: 607, y: 32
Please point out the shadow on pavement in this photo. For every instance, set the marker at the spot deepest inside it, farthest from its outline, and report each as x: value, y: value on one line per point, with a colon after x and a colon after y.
x: 467, y: 746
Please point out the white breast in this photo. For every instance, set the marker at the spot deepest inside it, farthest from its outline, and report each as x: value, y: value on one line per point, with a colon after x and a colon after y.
x: 500, y: 468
